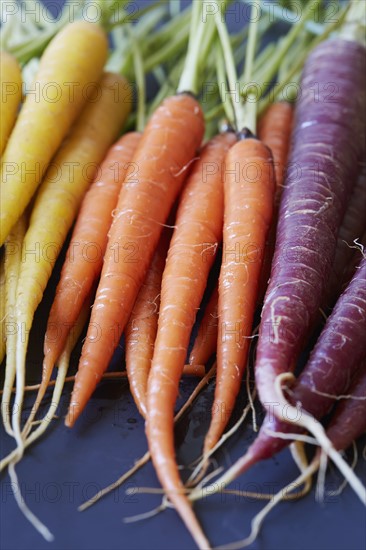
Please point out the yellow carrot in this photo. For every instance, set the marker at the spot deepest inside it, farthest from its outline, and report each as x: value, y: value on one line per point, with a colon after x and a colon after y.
x: 13, y: 259
x: 67, y: 75
x: 10, y: 95
x: 56, y: 205
x: 2, y: 309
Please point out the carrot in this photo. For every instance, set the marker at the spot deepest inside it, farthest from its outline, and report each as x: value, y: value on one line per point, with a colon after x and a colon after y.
x: 74, y: 57
x: 142, y: 326
x: 198, y: 229
x: 249, y: 186
x: 13, y: 261
x: 58, y: 383
x: 249, y: 190
x: 57, y: 203
x: 140, y: 333
x: 347, y: 423
x: 310, y: 214
x: 312, y: 206
x: 2, y: 310
x: 352, y: 228
x: 332, y: 365
x: 206, y: 341
x: 84, y: 257
x: 169, y: 143
x: 10, y: 96
x: 274, y: 130
x: 164, y: 152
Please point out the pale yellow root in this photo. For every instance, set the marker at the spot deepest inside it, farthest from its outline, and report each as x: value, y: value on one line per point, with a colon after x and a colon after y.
x: 146, y: 457
x: 13, y: 259
x: 342, y: 486
x: 12, y: 458
x: 2, y: 310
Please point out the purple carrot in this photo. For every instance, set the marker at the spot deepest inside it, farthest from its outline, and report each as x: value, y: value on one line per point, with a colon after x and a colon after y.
x: 349, y: 419
x: 347, y: 424
x: 336, y: 357
x: 328, y: 143
x: 353, y: 226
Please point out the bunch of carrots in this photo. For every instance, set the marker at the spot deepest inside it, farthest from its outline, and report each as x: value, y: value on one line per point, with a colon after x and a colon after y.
x: 144, y: 209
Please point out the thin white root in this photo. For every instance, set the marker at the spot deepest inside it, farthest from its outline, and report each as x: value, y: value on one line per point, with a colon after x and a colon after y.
x: 292, y: 436
x: 251, y: 397
x: 37, y: 524
x: 145, y: 515
x: 316, y: 429
x: 141, y: 462
x: 198, y: 469
x: 257, y: 521
x: 202, y: 465
x: 38, y: 432
x: 106, y: 376
x: 320, y: 486
x: 339, y: 397
x: 342, y: 486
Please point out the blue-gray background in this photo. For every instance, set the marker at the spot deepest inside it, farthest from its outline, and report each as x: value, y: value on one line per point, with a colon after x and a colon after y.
x: 68, y: 466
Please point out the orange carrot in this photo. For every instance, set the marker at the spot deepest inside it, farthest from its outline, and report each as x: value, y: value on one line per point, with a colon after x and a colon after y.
x: 206, y: 341
x: 141, y: 329
x: 167, y: 147
x: 249, y: 191
x: 84, y: 258
x: 198, y: 230
x: 274, y: 130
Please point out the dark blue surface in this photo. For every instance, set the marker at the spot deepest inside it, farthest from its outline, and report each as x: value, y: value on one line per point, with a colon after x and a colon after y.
x: 68, y: 466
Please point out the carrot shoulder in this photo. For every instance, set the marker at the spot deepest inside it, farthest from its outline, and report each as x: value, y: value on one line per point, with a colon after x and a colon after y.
x: 168, y: 145
x: 71, y: 64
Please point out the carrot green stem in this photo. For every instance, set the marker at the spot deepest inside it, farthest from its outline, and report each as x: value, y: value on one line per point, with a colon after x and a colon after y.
x: 188, y: 81
x: 272, y: 95
x: 221, y: 78
x: 268, y: 73
x: 232, y: 76
x: 168, y: 52
x: 140, y: 81
x: 250, y: 112
x: 285, y: 14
